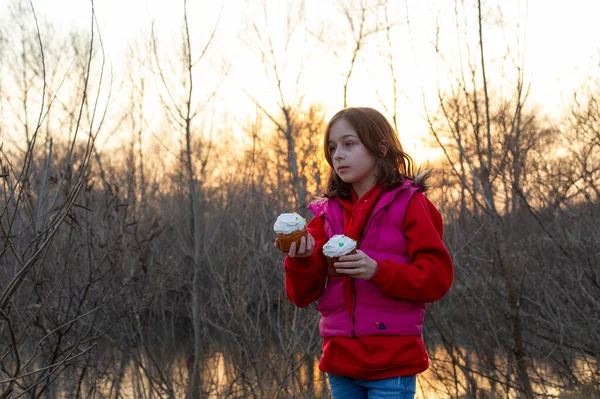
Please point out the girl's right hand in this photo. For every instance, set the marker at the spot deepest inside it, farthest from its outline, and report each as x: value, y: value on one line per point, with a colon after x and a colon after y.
x: 307, y: 245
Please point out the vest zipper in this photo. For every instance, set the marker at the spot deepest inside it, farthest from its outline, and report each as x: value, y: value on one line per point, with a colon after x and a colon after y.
x: 330, y: 224
x: 353, y: 320
x: 353, y: 308
x: 373, y: 217
x: 353, y: 286
x: 357, y: 247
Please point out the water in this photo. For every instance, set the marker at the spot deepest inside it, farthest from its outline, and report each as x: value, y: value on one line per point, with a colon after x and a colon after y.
x: 274, y: 379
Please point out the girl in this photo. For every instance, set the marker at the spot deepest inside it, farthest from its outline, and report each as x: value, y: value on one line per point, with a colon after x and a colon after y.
x: 371, y: 315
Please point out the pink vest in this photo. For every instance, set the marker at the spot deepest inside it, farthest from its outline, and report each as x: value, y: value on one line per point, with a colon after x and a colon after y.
x: 374, y: 313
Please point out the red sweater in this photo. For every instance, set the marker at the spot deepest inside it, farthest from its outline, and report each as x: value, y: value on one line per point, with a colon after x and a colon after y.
x: 380, y: 356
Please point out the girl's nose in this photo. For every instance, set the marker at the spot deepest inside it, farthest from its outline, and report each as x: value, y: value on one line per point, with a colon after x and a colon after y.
x: 337, y: 154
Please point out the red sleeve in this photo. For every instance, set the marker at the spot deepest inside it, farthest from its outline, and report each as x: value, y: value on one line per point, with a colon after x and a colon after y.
x: 429, y: 275
x: 305, y: 277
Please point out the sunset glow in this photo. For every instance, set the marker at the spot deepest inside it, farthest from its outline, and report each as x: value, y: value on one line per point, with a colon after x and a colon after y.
x: 535, y: 32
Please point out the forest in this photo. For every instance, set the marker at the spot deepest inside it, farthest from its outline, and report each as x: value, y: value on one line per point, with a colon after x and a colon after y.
x: 137, y: 258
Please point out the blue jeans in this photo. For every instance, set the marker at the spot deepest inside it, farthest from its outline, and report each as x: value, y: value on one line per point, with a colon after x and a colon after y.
x: 350, y: 388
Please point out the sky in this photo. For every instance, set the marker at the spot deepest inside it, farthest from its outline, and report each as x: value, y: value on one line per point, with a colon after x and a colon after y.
x: 560, y: 42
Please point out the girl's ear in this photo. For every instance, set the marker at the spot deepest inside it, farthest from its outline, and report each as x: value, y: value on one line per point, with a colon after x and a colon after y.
x: 383, y: 148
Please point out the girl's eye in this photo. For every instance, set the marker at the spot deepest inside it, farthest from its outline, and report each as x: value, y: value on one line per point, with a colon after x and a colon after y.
x: 331, y: 149
x: 349, y: 144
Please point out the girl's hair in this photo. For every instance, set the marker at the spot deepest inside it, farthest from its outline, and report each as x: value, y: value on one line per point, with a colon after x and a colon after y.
x: 374, y: 130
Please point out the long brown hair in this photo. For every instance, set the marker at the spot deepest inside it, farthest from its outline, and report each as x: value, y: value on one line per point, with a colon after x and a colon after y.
x: 374, y: 130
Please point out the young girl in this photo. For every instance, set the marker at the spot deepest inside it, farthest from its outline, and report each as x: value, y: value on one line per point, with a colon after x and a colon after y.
x: 371, y: 315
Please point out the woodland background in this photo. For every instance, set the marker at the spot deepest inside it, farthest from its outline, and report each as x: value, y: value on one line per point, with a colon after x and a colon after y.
x: 146, y: 268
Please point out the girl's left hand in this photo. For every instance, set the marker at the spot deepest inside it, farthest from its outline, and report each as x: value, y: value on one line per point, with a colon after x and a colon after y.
x: 358, y: 265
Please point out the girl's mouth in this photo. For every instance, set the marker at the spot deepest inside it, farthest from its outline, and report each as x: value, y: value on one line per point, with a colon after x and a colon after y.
x: 342, y: 168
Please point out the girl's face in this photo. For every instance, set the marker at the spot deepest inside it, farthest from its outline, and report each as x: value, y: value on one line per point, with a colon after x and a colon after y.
x: 352, y: 161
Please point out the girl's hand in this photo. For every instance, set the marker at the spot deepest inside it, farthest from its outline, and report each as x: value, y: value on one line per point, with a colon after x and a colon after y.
x: 358, y: 265
x: 307, y: 245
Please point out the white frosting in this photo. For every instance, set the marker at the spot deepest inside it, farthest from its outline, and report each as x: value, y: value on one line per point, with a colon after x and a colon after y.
x: 338, y: 245
x: 287, y: 223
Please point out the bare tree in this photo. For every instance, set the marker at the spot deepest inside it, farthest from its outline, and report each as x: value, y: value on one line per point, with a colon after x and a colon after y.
x: 482, y: 137
x: 361, y: 23
x: 389, y: 21
x: 183, y: 109
x: 38, y: 200
x: 508, y: 192
x: 287, y: 88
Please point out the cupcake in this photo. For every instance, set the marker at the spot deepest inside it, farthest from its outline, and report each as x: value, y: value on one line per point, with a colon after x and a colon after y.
x: 290, y: 227
x: 338, y: 245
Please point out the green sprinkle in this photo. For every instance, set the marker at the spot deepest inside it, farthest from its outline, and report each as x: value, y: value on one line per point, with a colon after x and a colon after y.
x: 341, y: 244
